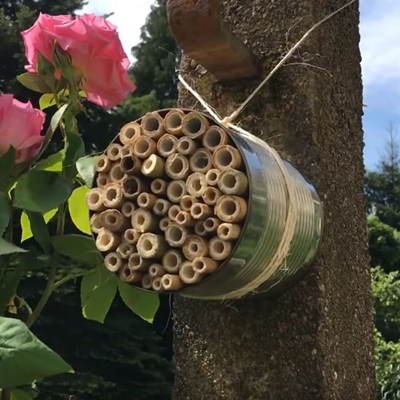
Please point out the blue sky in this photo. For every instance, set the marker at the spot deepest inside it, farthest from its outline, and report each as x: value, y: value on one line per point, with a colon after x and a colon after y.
x: 380, y: 49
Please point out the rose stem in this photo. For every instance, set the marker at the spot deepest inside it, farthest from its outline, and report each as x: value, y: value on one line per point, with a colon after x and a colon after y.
x: 226, y: 156
x: 219, y: 249
x: 129, y: 133
x: 94, y: 200
x: 153, y: 166
x: 107, y: 240
x: 194, y: 124
x: 144, y: 221
x: 195, y: 246
x: 176, y: 190
x: 188, y: 274
x: 151, y: 245
x: 204, y: 265
x: 144, y: 147
x: 153, y: 125
x: 177, y: 166
x: 214, y: 137
x: 113, y: 262
x: 176, y: 235
x: 231, y: 208
x: 146, y: 200
x: 211, y: 195
x: 196, y: 184
x: 166, y: 145
x: 228, y: 231
x: 186, y: 146
x: 200, y: 161
x: 171, y: 282
x: 173, y: 121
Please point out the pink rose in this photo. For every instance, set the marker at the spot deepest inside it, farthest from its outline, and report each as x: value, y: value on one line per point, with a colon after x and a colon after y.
x: 94, y: 47
x: 20, y: 127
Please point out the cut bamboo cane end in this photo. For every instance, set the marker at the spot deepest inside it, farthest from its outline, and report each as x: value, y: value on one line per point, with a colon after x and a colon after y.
x: 211, y: 195
x: 204, y: 265
x: 214, y: 137
x: 147, y: 282
x: 153, y: 166
x: 211, y: 225
x: 131, y: 236
x: 195, y: 246
x: 103, y: 164
x: 144, y: 221
x: 127, y: 275
x: 232, y: 181
x: 113, y: 262
x: 164, y: 223
x: 188, y: 275
x: 130, y: 165
x: 132, y: 186
x: 153, y: 125
x: 173, y: 121
x: 144, y: 147
x: 184, y: 218
x: 107, y: 240
x: 172, y: 260
x: 161, y: 207
x: 113, y: 195
x: 126, y: 151
x: 212, y: 176
x: 157, y: 285
x: 127, y: 209
x: 201, y: 211
x: 95, y: 224
x: 220, y: 249
x: 151, y: 245
x: 95, y: 200
x: 177, y: 166
x: 176, y: 235
x: 176, y: 190
x: 186, y: 202
x: 199, y: 229
x: 137, y: 263
x: 196, y: 184
x: 129, y: 133
x: 186, y: 146
x: 231, y: 209
x: 146, y: 200
x: 227, y: 157
x: 102, y: 180
x: 116, y: 175
x: 171, y: 282
x: 173, y: 212
x: 194, y: 125
x: 166, y: 145
x: 156, y: 270
x: 125, y: 250
x: 200, y: 161
x: 227, y: 231
x: 158, y: 186
x: 114, y: 151
x: 113, y: 220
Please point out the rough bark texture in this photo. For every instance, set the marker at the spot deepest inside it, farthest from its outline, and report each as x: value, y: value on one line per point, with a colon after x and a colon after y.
x: 314, y: 341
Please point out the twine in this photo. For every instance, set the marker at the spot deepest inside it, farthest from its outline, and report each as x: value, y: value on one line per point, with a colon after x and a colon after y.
x: 282, y: 251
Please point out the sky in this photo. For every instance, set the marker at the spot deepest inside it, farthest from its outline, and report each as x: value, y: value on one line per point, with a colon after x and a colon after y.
x: 380, y: 50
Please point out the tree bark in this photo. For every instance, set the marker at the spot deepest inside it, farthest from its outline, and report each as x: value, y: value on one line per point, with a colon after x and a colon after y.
x: 316, y: 340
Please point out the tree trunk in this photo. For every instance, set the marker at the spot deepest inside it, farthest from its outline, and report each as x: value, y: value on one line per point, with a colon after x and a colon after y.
x: 316, y: 340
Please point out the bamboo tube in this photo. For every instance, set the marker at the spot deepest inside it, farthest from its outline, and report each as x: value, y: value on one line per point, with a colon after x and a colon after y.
x: 116, y: 175
x: 127, y: 275
x: 164, y: 223
x: 130, y: 164
x: 158, y: 186
x: 113, y: 195
x: 233, y: 182
x: 131, y: 236
x: 127, y: 209
x: 184, y: 218
x: 199, y: 229
x: 211, y: 225
x: 200, y: 161
x: 171, y: 261
x: 151, y: 245
x: 156, y: 270
x: 177, y: 166
x: 113, y: 262
x: 95, y: 224
x: 173, y: 212
x: 231, y: 209
x: 173, y: 122
x: 107, y: 241
x: 212, y: 176
x: 129, y: 133
x: 114, y: 221
x: 146, y: 282
x: 144, y: 221
x: 102, y: 180
x: 153, y: 125
x: 166, y: 145
x: 228, y: 231
x: 153, y: 167
x: 188, y: 275
x: 125, y: 151
x: 176, y: 235
x: 211, y: 195
x: 125, y: 250
x: 157, y: 285
x: 95, y: 199
x: 171, y: 282
x: 146, y: 200
x: 226, y: 157
x: 195, y: 246
x: 204, y: 265
x: 132, y: 186
x: 137, y: 263
x: 186, y: 202
x: 161, y: 207
x: 176, y: 190
x: 194, y: 124
x: 186, y: 146
x: 219, y: 249
x: 144, y: 147
x: 103, y: 164
x: 214, y: 137
x: 114, y: 151
x: 196, y: 184
x: 201, y: 211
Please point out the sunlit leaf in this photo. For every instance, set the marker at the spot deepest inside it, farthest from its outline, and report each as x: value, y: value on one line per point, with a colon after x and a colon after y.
x: 78, y: 210
x: 26, y: 224
x: 51, y: 163
x: 34, y: 82
x: 87, y: 168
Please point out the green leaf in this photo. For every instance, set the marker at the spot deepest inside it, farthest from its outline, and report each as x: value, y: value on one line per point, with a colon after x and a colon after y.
x: 8, y: 287
x: 5, y: 212
x: 78, y: 247
x: 26, y: 224
x: 39, y: 230
x: 98, y: 289
x: 75, y: 148
x: 87, y: 168
x: 78, y: 210
x: 7, y: 161
x: 52, y: 163
x: 23, y: 357
x: 9, y: 248
x: 18, y: 394
x: 41, y: 191
x: 34, y: 82
x: 140, y: 302
x: 47, y: 100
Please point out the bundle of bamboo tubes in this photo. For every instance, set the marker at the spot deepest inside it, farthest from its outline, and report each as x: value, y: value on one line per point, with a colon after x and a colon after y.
x: 169, y: 200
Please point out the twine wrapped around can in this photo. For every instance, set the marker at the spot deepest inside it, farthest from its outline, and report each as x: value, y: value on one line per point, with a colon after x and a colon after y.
x: 222, y: 213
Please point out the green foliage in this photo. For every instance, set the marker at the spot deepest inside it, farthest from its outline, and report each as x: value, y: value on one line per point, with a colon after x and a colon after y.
x: 39, y: 230
x: 6, y: 165
x: 86, y: 167
x: 26, y: 223
x: 9, y: 248
x: 78, y: 211
x: 34, y: 82
x: 5, y: 213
